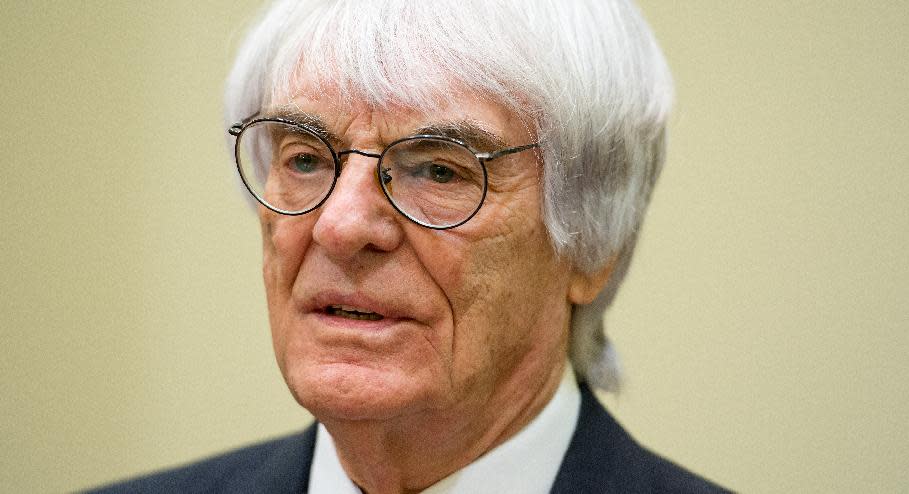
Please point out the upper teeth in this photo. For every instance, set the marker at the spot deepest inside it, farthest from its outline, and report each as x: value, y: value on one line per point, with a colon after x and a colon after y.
x: 350, y: 308
x: 352, y: 312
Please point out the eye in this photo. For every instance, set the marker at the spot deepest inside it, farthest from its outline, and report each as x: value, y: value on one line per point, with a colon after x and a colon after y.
x: 305, y: 163
x: 441, y: 174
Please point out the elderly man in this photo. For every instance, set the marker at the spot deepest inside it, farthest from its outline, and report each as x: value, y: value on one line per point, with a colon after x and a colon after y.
x: 449, y: 196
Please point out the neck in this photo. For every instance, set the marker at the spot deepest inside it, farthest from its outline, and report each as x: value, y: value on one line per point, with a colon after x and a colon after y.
x: 410, y: 453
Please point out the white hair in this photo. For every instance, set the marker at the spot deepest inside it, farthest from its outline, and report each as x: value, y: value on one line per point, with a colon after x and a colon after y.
x: 588, y: 74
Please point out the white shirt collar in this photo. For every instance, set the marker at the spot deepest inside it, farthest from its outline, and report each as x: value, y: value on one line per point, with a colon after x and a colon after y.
x: 528, y: 462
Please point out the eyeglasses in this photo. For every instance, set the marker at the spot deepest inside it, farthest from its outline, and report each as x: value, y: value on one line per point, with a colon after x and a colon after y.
x: 435, y: 181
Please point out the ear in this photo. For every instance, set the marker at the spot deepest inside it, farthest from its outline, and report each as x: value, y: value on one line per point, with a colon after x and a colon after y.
x: 584, y: 287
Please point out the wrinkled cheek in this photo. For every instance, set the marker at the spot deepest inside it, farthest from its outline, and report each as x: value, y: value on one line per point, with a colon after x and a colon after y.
x: 284, y: 242
x: 447, y: 257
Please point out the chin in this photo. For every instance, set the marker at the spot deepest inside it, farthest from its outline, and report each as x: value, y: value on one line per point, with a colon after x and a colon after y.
x: 343, y: 391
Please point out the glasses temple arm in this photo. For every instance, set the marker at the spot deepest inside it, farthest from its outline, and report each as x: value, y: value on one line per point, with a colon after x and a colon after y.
x: 504, y: 152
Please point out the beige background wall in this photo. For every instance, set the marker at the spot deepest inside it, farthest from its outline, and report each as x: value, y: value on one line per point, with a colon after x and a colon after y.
x: 763, y: 326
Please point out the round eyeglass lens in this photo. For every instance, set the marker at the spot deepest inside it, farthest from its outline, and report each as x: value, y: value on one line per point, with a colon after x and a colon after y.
x: 287, y: 168
x: 435, y: 182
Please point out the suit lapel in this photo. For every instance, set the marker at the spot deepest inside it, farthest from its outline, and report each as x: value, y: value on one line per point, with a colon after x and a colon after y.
x: 593, y: 460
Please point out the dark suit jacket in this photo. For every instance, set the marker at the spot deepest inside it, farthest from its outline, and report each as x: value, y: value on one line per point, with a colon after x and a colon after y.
x: 601, y: 457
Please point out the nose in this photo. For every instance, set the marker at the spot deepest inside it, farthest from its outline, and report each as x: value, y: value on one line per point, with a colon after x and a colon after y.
x: 357, y: 216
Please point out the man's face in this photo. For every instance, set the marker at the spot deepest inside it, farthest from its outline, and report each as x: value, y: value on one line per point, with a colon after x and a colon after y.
x: 455, y: 316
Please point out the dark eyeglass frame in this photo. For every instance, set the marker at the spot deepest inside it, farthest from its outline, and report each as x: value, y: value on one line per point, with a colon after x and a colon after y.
x: 238, y: 128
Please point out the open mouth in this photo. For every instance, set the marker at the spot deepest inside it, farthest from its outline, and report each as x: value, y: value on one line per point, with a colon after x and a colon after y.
x: 352, y: 313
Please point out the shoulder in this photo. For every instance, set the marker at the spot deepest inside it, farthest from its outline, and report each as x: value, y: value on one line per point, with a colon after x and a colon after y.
x: 603, y: 457
x: 278, y: 465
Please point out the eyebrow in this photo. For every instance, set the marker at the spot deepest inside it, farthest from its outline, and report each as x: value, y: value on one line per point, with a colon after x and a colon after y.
x: 469, y: 132
x: 312, y: 121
